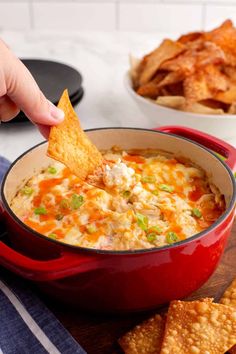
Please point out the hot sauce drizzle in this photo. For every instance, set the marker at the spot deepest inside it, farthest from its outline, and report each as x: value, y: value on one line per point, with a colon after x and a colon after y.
x: 60, y: 217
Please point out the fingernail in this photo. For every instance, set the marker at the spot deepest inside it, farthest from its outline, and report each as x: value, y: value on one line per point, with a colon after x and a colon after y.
x: 56, y: 113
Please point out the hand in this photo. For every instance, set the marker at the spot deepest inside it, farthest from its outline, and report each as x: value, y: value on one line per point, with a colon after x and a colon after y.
x: 19, y: 91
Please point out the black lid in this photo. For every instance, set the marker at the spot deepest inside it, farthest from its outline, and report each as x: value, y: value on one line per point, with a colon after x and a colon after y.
x: 53, y: 78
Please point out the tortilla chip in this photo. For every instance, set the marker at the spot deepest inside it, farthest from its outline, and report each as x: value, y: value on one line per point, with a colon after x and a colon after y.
x: 217, y: 81
x: 210, y: 54
x: 205, y: 84
x: 179, y: 102
x: 199, y: 327
x: 230, y: 72
x: 167, y: 50
x: 150, y: 90
x: 164, y: 91
x: 171, y: 78
x: 196, y: 87
x: 197, y: 55
x: 214, y: 104
x: 189, y: 37
x: 232, y: 108
x: 228, y: 96
x: 202, y: 69
x: 196, y: 107
x: 225, y: 37
x: 134, y: 64
x: 176, y: 102
x: 184, y: 63
x: 69, y: 144
x: 145, y: 338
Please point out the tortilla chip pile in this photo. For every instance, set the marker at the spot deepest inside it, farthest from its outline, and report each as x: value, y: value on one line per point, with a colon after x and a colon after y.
x: 70, y: 145
x: 196, y: 73
x: 198, y: 327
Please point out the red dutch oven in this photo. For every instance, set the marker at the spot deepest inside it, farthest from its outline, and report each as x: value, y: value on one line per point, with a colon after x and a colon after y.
x: 120, y: 281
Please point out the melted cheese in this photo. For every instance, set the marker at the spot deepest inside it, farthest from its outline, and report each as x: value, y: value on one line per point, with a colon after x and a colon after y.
x: 150, y: 200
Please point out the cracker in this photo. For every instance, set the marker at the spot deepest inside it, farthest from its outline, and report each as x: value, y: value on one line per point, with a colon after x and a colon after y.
x: 70, y: 145
x: 199, y: 327
x: 145, y: 338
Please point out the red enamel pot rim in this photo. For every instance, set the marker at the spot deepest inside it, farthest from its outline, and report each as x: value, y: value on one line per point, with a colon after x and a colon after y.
x: 199, y: 235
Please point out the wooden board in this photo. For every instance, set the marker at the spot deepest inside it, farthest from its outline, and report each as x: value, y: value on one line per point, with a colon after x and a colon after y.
x: 99, y: 334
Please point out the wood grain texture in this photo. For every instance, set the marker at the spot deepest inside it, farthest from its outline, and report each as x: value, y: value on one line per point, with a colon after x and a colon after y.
x: 98, y: 334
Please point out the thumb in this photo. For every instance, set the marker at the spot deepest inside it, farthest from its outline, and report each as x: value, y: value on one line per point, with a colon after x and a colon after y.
x: 25, y: 93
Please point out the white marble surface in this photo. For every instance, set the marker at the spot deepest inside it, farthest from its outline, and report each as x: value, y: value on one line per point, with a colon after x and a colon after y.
x: 102, y: 58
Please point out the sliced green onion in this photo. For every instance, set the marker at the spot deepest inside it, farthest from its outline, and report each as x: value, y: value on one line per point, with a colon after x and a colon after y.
x: 155, y: 229
x: 155, y: 192
x: 148, y: 179
x: 196, y: 212
x: 27, y: 191
x: 166, y: 188
x: 126, y: 194
x: 171, y: 237
x: 151, y: 236
x: 142, y: 221
x: 64, y: 204
x: 52, y: 170
x: 91, y: 229
x: 54, y: 236
x: 59, y: 217
x: 76, y: 201
x: 40, y: 211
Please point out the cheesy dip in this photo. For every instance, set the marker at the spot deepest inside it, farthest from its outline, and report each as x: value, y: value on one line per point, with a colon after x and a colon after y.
x: 149, y: 199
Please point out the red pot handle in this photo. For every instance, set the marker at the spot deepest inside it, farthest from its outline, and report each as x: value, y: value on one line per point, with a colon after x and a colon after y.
x: 209, y: 141
x: 67, y: 264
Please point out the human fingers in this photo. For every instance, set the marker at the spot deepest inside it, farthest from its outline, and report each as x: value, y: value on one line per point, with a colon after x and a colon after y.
x: 8, y: 109
x: 25, y: 93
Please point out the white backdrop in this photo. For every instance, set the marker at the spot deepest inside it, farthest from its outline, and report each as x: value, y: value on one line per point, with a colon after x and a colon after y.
x: 109, y: 15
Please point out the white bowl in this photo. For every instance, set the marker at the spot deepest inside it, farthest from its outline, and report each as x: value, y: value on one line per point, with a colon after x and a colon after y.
x: 222, y: 126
